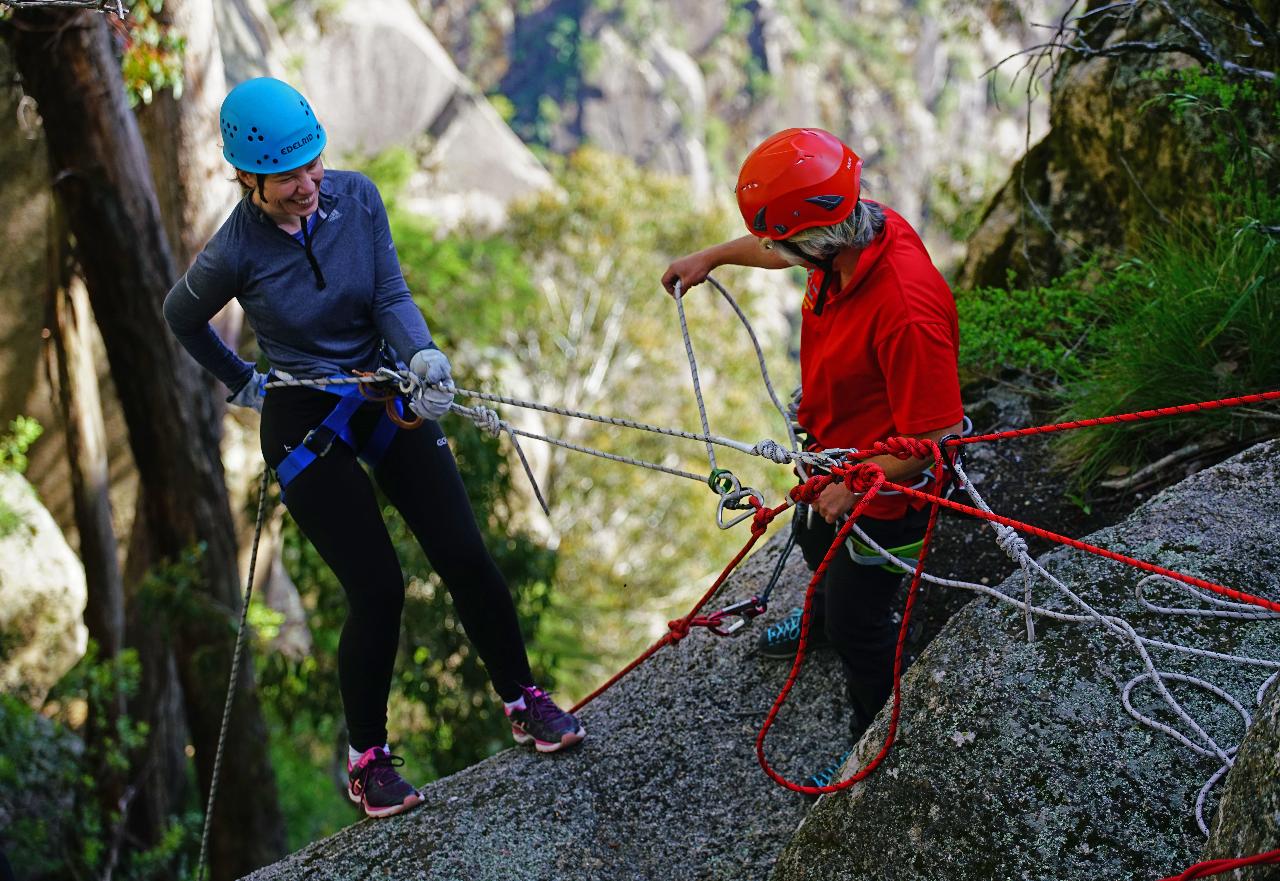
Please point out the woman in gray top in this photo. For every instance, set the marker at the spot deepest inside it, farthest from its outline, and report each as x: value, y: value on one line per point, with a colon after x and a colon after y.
x: 309, y: 256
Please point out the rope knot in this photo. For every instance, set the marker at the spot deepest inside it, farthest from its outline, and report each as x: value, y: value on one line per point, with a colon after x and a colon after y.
x: 677, y: 629
x: 1010, y: 542
x: 772, y: 450
x: 487, y: 419
x: 807, y: 493
x: 763, y: 517
x: 863, y: 478
x: 903, y: 448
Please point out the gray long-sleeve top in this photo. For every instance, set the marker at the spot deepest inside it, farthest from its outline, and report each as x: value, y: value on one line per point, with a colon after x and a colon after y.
x: 304, y: 331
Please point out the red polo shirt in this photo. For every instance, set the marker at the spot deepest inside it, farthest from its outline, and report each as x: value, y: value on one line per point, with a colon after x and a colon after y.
x: 881, y: 359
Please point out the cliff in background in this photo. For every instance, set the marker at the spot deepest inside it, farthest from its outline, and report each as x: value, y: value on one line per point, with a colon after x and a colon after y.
x: 689, y: 87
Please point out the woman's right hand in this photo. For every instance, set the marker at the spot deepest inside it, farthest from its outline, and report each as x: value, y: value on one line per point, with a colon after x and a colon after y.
x: 689, y: 270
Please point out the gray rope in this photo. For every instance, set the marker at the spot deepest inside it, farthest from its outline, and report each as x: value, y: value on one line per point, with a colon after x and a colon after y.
x: 693, y: 369
x: 235, y: 674
x: 484, y: 417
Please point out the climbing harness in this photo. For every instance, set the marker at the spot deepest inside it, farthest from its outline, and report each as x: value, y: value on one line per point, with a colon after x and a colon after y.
x: 337, y: 427
x: 866, y: 480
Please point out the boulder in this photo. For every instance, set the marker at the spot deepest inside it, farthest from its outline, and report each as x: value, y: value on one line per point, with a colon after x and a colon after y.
x: 1248, y: 820
x: 42, y: 595
x: 1117, y: 161
x: 1017, y: 759
x: 1029, y: 739
x: 379, y: 78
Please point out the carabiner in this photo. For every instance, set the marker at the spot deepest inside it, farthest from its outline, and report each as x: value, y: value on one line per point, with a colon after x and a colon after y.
x: 742, y: 614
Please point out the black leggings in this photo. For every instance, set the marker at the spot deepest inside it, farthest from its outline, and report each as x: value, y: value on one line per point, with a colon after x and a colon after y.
x: 334, y: 505
x: 854, y: 602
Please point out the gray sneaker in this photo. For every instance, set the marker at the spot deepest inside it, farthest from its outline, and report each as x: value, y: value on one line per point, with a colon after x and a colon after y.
x: 782, y: 640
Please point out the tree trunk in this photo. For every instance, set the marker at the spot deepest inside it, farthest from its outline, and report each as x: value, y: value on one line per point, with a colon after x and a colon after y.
x: 72, y: 374
x: 101, y: 179
x: 192, y: 179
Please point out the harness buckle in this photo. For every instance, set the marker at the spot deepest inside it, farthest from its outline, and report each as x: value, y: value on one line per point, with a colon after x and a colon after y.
x: 320, y: 440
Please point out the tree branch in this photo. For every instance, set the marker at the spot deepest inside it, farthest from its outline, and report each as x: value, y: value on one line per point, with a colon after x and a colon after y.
x: 113, y: 6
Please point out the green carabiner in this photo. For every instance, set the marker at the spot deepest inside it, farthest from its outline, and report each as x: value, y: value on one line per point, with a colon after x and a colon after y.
x: 721, y: 481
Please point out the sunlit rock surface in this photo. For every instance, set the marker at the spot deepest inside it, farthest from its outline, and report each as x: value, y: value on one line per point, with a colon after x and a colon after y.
x: 42, y: 595
x: 665, y: 786
x: 1018, y: 760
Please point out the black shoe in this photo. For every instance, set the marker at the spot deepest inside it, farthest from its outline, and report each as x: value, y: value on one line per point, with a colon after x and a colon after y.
x: 782, y: 640
x: 374, y: 784
x: 544, y: 724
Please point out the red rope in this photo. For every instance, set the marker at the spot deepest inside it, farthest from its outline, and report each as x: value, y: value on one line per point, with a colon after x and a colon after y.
x: 1239, y: 596
x: 1122, y: 417
x: 679, y: 628
x: 867, y: 479
x: 1217, y: 867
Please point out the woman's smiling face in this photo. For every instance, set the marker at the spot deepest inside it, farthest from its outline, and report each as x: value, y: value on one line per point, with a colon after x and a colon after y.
x: 290, y: 195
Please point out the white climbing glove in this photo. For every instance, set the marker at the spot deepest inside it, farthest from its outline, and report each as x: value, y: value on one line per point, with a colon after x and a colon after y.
x: 432, y: 367
x: 251, y: 393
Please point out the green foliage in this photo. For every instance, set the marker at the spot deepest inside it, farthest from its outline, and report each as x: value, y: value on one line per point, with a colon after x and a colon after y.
x: 152, y: 59
x: 1048, y: 332
x: 1197, y: 317
x: 52, y: 771
x: 1237, y: 124
x: 23, y: 432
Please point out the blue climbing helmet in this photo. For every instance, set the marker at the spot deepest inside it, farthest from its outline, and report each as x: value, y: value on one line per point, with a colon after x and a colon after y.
x: 268, y: 126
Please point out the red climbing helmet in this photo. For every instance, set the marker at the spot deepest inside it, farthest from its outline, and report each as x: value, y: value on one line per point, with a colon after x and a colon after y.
x: 798, y: 178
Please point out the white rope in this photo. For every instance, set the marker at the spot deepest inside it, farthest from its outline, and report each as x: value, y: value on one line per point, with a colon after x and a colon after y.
x: 1206, y: 745
x: 693, y: 369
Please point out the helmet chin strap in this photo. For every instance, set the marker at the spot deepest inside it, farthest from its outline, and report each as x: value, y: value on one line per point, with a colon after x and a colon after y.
x: 828, y: 267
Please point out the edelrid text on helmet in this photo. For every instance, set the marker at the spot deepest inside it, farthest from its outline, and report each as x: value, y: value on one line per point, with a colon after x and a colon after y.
x: 797, y: 179
x: 268, y: 126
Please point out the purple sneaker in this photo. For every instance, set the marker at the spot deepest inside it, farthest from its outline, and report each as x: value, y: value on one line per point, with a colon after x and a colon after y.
x: 374, y: 783
x: 543, y: 724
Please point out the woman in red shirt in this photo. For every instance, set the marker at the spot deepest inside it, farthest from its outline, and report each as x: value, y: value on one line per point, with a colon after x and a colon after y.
x: 878, y: 348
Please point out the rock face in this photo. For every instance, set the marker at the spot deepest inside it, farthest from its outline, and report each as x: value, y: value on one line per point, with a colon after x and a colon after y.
x: 42, y: 596
x: 666, y: 784
x: 1115, y: 163
x: 378, y: 78
x: 1248, y: 819
x: 1014, y: 760
x: 1018, y: 760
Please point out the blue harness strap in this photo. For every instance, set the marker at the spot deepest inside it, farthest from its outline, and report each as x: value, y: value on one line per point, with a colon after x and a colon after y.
x: 337, y: 427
